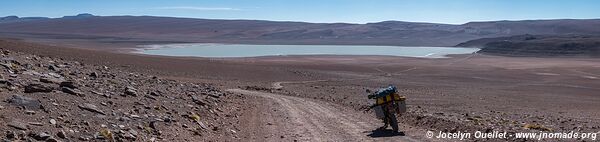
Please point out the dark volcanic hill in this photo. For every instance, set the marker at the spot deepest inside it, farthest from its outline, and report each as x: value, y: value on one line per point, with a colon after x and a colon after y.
x: 9, y: 19
x: 275, y: 32
x: 538, y: 45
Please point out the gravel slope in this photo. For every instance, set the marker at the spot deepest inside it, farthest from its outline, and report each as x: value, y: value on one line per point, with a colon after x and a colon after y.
x: 50, y: 99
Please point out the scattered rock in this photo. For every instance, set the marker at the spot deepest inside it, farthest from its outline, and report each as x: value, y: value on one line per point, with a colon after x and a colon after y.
x: 41, y: 136
x: 158, y: 102
x: 61, y: 134
x: 129, y: 136
x: 202, y: 125
x: 133, y: 132
x: 198, y: 101
x: 72, y: 91
x: 23, y: 101
x: 149, y: 97
x: 50, y: 80
x: 36, y: 123
x: 91, y: 108
x: 94, y: 75
x: 11, y: 135
x: 18, y: 125
x: 53, y: 68
x: 55, y: 75
x: 51, y: 139
x: 130, y: 91
x: 34, y: 88
x: 8, y: 66
x: 30, y: 112
x: 153, y: 93
x: 68, y: 84
x: 84, y: 138
x: 4, y: 81
x: 214, y: 95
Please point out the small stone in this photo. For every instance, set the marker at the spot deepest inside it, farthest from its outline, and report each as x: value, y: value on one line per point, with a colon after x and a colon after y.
x: 50, y: 80
x: 18, y: 125
x: 52, y: 121
x: 198, y: 101
x: 203, y: 126
x: 41, y: 136
x: 83, y: 138
x: 214, y: 95
x: 11, y: 135
x: 27, y: 102
x: 134, y: 116
x: 51, y: 139
x: 91, y: 108
x: 36, y: 123
x: 129, y: 136
x: 133, y: 132
x: 4, y: 81
x: 94, y: 75
x: 68, y: 84
x: 124, y: 119
x: 30, y: 112
x: 153, y: 125
x: 149, y: 97
x: 61, y: 134
x: 130, y: 91
x: 53, y: 68
x: 153, y: 93
x: 34, y: 88
x: 55, y: 75
x: 72, y: 91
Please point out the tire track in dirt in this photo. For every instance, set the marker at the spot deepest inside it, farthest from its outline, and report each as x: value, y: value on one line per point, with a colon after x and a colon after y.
x: 320, y: 121
x: 278, y: 85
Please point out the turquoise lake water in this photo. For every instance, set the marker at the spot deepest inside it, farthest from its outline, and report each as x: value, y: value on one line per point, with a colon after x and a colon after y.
x: 244, y: 50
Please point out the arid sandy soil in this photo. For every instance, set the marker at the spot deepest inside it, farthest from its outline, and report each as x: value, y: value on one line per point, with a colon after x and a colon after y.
x: 462, y: 93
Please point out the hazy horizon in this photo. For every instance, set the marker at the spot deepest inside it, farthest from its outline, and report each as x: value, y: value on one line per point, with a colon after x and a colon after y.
x: 307, y: 21
x: 332, y: 11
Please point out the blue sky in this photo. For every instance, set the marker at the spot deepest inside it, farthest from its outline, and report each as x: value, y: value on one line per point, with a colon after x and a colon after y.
x: 349, y: 11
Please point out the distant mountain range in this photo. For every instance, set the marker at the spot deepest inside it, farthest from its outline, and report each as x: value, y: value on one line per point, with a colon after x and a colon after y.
x: 281, y: 32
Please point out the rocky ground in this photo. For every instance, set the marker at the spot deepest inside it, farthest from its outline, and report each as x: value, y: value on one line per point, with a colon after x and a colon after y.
x: 478, y: 93
x: 464, y: 93
x: 50, y: 99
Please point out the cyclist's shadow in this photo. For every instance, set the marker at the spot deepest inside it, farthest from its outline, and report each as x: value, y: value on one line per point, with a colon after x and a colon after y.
x: 377, y: 133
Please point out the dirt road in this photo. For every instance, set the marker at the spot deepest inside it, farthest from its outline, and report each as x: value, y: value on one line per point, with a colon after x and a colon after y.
x: 293, y: 118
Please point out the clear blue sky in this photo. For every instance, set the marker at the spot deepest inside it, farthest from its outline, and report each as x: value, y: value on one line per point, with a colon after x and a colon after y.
x: 349, y: 11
